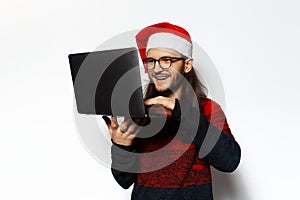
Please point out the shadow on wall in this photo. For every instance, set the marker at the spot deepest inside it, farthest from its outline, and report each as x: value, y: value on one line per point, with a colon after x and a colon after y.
x: 229, y: 186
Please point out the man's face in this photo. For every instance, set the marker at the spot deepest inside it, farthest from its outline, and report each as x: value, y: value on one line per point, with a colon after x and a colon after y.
x: 165, y: 79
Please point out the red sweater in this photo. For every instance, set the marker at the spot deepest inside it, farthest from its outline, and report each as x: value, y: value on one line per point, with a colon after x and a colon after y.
x: 175, y: 162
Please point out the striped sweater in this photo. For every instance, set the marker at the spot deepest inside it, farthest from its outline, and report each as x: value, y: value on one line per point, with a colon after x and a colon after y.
x: 168, y: 165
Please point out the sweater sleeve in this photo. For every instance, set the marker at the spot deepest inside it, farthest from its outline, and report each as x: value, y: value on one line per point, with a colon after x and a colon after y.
x: 123, y: 164
x: 214, y: 140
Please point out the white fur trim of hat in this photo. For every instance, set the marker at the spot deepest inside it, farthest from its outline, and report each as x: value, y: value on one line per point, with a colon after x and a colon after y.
x: 170, y: 41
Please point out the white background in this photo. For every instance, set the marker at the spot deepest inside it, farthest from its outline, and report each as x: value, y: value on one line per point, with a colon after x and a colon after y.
x: 254, y: 44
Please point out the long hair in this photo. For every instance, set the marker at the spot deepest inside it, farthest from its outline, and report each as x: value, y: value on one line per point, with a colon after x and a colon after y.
x: 192, y: 78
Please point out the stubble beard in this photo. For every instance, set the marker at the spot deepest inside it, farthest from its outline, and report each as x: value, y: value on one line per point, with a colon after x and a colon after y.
x: 173, y: 87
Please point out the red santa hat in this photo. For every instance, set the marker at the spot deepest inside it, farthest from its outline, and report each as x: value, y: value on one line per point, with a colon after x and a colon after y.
x: 164, y: 35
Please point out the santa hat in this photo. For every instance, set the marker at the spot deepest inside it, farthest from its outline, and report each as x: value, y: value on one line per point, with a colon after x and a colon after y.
x: 164, y: 35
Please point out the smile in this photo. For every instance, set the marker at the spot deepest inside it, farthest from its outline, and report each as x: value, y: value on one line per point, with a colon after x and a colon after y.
x: 161, y: 77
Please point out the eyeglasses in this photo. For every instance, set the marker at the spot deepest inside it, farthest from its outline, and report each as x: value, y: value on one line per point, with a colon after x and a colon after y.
x: 164, y: 62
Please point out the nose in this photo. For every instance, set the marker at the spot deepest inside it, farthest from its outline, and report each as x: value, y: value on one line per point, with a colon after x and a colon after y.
x: 157, y: 67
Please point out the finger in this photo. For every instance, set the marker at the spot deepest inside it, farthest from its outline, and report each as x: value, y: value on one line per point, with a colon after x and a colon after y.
x: 171, y: 104
x: 114, y: 123
x: 131, y: 129
x: 157, y: 100
x: 129, y: 136
x: 119, y: 131
x: 106, y: 120
x: 166, y: 102
x: 126, y: 123
x: 151, y: 101
x: 136, y: 132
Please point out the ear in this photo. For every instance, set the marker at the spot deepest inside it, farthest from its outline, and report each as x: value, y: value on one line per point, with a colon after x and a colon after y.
x: 188, y: 65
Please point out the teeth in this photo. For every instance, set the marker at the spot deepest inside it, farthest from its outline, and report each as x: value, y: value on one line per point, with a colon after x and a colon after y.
x: 161, y: 77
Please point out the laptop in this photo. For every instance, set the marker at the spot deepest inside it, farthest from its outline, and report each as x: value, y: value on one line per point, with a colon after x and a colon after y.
x: 108, y: 82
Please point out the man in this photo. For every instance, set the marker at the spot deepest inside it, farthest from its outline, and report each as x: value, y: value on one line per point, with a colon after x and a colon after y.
x: 174, y: 162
